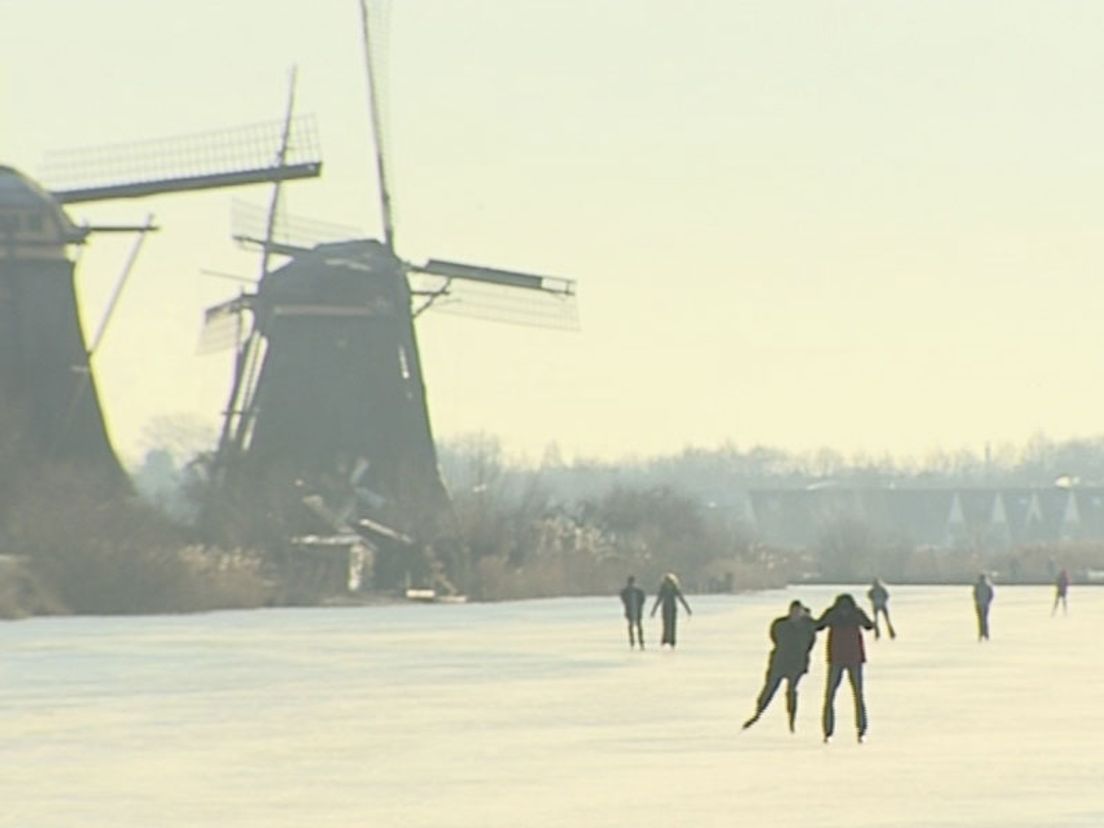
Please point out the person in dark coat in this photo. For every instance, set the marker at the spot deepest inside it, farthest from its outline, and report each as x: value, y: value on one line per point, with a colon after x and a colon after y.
x: 633, y: 598
x: 1061, y: 587
x: 845, y: 622
x: 879, y: 601
x: 983, y: 597
x: 793, y: 636
x: 669, y: 596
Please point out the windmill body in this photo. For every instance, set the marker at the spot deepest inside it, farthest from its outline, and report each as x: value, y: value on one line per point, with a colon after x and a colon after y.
x: 339, y: 400
x: 49, y: 407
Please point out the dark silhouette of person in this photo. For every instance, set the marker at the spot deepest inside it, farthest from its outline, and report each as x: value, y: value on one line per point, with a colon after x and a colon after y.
x: 845, y: 622
x: 983, y: 597
x: 879, y: 600
x: 793, y: 636
x: 1061, y: 587
x: 633, y: 598
x: 669, y: 596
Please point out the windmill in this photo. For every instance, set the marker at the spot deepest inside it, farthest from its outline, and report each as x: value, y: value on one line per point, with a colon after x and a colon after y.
x: 328, y: 395
x: 50, y: 412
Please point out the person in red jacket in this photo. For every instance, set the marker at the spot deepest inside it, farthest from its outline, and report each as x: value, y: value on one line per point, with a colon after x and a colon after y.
x: 845, y: 622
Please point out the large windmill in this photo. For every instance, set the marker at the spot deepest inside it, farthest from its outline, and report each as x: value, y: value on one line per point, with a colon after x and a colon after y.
x: 49, y: 408
x: 328, y: 395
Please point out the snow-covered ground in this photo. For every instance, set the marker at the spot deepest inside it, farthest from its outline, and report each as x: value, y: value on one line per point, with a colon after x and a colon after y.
x: 537, y: 714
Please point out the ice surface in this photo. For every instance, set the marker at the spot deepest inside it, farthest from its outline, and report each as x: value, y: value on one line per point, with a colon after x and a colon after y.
x: 537, y: 714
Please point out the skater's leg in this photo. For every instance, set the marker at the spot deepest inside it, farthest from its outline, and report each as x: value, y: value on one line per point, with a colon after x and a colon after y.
x: 828, y: 716
x: 791, y: 698
x: 855, y: 676
x: 770, y: 685
x: 670, y: 620
x: 889, y: 624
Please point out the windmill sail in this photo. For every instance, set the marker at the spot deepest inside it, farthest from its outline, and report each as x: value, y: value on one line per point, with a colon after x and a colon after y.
x: 495, y: 303
x: 223, y: 325
x: 496, y: 295
x: 494, y: 276
x: 226, y: 158
x: 248, y: 223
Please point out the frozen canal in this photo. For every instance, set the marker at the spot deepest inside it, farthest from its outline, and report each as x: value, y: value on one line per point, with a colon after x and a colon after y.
x: 537, y: 714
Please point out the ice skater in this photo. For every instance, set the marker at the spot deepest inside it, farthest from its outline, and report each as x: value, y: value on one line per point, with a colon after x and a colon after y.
x: 845, y: 622
x: 633, y: 598
x: 879, y: 600
x: 670, y: 596
x: 793, y: 636
x: 1061, y: 587
x: 983, y: 597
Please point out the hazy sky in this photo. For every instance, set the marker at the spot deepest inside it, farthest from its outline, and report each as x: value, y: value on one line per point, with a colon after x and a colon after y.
x: 867, y: 225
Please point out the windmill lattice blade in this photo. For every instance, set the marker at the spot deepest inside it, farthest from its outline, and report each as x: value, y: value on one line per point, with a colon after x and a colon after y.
x: 499, y: 303
x: 507, y: 278
x: 223, y: 326
x: 248, y: 221
x: 245, y: 155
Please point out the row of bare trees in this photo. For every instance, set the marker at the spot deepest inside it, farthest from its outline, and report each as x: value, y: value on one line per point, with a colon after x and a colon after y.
x: 524, y: 536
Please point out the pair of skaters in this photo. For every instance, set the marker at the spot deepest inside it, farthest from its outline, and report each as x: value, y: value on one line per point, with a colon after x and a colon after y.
x: 669, y: 596
x: 794, y: 635
x: 984, y: 592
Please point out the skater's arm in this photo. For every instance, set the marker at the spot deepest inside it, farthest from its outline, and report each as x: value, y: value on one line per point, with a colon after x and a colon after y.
x: 865, y: 622
x: 774, y: 632
x: 812, y: 638
x: 683, y: 602
x: 655, y: 606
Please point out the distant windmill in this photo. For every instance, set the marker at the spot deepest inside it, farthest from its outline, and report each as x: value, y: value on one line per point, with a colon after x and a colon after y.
x: 328, y: 391
x: 49, y: 409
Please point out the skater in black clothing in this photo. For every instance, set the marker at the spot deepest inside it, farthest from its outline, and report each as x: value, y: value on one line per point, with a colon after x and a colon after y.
x: 879, y: 600
x: 983, y: 597
x: 633, y: 598
x: 845, y: 623
x: 670, y: 596
x: 1061, y: 587
x: 793, y: 636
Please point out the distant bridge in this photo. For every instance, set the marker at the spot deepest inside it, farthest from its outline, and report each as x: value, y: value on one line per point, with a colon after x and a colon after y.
x: 998, y: 517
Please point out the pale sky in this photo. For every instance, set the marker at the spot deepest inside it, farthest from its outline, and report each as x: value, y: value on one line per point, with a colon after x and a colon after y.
x: 875, y: 226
